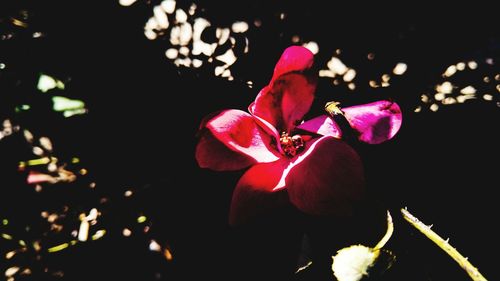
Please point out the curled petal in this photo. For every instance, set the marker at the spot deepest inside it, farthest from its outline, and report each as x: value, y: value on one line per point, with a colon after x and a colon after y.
x: 256, y: 192
x: 237, y: 131
x: 264, y: 124
x: 293, y: 59
x: 375, y: 122
x: 284, y: 102
x: 327, y: 179
x: 322, y: 125
x: 290, y: 93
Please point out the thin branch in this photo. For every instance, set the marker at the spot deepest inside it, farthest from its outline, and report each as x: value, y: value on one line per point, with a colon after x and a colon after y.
x: 443, y: 244
x: 388, y: 233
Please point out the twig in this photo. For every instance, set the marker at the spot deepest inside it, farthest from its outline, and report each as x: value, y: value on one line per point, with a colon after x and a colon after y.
x: 443, y: 244
x: 388, y: 233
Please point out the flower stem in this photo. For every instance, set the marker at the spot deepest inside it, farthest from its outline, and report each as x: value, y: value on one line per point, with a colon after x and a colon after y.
x: 443, y: 244
x: 388, y: 233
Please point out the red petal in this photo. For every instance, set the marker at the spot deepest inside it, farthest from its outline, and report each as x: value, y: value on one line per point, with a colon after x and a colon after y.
x: 213, y: 154
x: 327, y: 179
x: 283, y: 103
x: 376, y: 122
x: 256, y: 192
x: 294, y: 58
x: 237, y: 131
x: 290, y: 93
x: 322, y: 125
x: 264, y: 124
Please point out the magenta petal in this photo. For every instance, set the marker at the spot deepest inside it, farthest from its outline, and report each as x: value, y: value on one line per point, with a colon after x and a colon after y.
x: 376, y: 122
x: 234, y: 141
x: 322, y: 125
x: 294, y: 58
x: 213, y: 154
x: 327, y: 179
x: 264, y: 124
x: 238, y: 131
x: 283, y: 103
x: 290, y: 93
x: 256, y: 192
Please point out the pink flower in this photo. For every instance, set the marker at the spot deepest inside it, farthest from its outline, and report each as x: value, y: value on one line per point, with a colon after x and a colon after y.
x: 305, y: 163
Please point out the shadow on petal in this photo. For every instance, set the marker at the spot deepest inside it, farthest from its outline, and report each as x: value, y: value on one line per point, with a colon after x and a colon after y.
x: 256, y: 193
x: 285, y: 101
x: 376, y: 122
x: 329, y: 181
x: 213, y: 154
x: 236, y: 130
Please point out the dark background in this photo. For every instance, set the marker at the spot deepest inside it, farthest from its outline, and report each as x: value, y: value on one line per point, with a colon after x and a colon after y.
x: 144, y: 113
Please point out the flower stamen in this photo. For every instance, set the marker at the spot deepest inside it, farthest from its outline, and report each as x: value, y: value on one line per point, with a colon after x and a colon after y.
x: 333, y: 108
x: 291, y: 145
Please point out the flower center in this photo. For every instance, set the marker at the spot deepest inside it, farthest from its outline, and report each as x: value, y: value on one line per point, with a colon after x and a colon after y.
x: 291, y: 146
